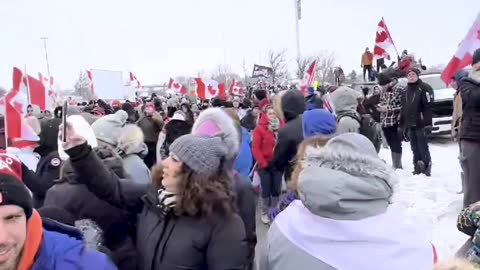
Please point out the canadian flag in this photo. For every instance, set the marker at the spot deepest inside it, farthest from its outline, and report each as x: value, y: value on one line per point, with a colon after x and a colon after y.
x: 383, y: 41
x: 37, y: 93
x: 178, y: 88
x: 463, y: 56
x: 48, y: 82
x: 207, y: 89
x: 134, y: 81
x: 17, y: 132
x: 90, y: 80
x: 236, y: 88
x: 308, y: 77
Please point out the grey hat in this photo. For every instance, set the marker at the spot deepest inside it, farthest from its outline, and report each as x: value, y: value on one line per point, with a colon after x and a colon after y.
x: 203, y: 154
x: 108, y: 128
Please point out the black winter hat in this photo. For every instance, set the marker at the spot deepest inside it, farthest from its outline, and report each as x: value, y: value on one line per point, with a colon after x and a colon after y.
x: 12, y: 190
x: 476, y: 57
x: 384, y: 79
x: 415, y: 70
x: 260, y: 94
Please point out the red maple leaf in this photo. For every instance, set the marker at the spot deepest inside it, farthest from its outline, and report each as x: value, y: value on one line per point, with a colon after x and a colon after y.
x: 211, y: 90
x: 176, y: 86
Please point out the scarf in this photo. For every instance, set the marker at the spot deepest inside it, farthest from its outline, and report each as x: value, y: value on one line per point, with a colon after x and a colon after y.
x: 32, y: 242
x: 166, y: 201
x: 273, y: 124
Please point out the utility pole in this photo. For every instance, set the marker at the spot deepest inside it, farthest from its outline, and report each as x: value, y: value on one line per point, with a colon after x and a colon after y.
x: 298, y: 17
x: 46, y: 57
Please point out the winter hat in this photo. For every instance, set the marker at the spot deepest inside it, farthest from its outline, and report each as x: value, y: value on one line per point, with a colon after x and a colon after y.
x: 318, y: 122
x: 178, y: 115
x: 215, y: 121
x: 260, y: 94
x: 130, y: 139
x: 344, y: 99
x: 128, y: 107
x: 12, y: 190
x: 108, y: 127
x: 476, y: 57
x: 116, y: 104
x: 384, y: 79
x: 82, y: 128
x: 416, y: 71
x: 459, y: 75
x: 203, y: 154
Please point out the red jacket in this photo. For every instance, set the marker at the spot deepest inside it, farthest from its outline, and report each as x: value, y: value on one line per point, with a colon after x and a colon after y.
x: 263, y: 142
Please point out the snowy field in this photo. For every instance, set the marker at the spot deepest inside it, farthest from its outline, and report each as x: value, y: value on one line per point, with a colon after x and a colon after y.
x: 432, y: 203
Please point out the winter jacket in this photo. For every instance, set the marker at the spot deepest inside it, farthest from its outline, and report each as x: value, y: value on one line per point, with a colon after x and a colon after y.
x: 151, y: 127
x: 367, y: 59
x: 48, y: 136
x: 71, y: 194
x: 48, y: 170
x: 263, y: 143
x: 244, y: 161
x: 456, y: 115
x: 133, y: 150
x: 335, y: 224
x: 313, y: 102
x: 417, y: 100
x: 468, y: 222
x: 291, y: 135
x: 370, y: 105
x: 392, y: 100
x: 165, y: 241
x: 345, y: 102
x: 470, y: 94
x: 249, y: 121
x: 62, y: 249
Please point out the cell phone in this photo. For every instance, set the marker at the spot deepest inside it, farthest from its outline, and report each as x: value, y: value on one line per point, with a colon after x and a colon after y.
x: 64, y: 120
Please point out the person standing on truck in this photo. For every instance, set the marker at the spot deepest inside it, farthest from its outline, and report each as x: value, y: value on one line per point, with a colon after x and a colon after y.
x: 416, y: 120
x: 367, y: 60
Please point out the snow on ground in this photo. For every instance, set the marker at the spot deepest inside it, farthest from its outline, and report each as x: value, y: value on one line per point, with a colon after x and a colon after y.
x: 432, y: 203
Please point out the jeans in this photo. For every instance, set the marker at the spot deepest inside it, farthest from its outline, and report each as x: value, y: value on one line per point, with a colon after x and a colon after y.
x: 393, y: 138
x: 270, y: 181
x: 365, y: 69
x: 469, y: 159
x: 419, y: 145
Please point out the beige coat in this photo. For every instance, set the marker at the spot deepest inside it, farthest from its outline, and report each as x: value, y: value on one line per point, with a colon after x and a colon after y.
x: 457, y: 115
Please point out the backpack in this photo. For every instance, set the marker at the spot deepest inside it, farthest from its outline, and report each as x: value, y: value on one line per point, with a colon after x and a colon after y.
x: 368, y: 127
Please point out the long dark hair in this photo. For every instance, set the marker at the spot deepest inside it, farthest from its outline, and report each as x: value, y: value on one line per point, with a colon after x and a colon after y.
x: 205, y: 196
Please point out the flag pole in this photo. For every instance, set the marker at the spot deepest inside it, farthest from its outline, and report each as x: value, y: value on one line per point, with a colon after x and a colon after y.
x: 46, y: 58
x: 28, y: 84
x: 297, y: 5
x: 390, y: 36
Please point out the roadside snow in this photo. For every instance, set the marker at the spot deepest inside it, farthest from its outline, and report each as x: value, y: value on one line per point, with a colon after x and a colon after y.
x: 432, y: 203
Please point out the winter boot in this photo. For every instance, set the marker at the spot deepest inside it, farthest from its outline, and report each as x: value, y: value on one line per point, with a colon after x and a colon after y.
x: 397, y: 160
x: 265, y: 205
x: 419, y: 168
x: 428, y: 170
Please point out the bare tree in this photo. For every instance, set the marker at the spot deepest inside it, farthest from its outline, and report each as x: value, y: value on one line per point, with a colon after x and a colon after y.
x: 278, y: 63
x: 325, y: 64
x: 302, y: 65
x: 82, y: 86
x: 352, y: 77
x: 246, y: 77
x: 224, y: 73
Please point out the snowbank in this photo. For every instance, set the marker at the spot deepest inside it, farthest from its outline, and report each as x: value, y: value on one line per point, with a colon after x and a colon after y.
x: 432, y: 203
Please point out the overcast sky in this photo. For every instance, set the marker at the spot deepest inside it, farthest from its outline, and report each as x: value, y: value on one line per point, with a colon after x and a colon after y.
x: 158, y: 39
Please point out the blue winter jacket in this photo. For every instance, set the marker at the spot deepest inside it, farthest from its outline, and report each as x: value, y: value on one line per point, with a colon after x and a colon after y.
x: 62, y: 249
x: 244, y: 160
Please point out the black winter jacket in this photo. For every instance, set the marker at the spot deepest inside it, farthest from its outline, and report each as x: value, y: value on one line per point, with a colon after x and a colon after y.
x: 370, y: 106
x: 165, y: 242
x: 48, y: 136
x: 470, y: 93
x: 71, y: 194
x: 249, y: 121
x: 416, y: 105
x: 291, y: 135
x: 48, y: 170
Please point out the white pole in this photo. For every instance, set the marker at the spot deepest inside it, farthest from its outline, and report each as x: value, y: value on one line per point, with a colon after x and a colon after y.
x: 46, y: 58
x: 297, y: 4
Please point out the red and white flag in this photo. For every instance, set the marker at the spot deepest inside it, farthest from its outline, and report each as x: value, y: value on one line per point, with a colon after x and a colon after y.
x: 48, y: 82
x: 236, y: 88
x: 207, y: 89
x: 463, y: 56
x: 383, y: 41
x: 308, y: 77
x: 37, y: 93
x: 134, y: 81
x: 17, y: 132
x: 178, y: 88
x: 90, y: 80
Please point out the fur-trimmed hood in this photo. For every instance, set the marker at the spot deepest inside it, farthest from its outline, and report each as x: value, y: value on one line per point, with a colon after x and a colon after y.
x: 214, y: 121
x: 345, y: 180
x: 131, y: 142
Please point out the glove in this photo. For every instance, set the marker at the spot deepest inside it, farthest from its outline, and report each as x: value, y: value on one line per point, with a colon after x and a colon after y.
x: 73, y: 139
x: 427, y: 130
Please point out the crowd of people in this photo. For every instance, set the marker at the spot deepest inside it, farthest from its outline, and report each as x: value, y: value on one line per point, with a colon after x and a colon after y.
x: 169, y: 182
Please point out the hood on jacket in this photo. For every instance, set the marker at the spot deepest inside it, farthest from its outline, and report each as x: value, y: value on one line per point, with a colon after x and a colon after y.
x: 131, y: 140
x: 292, y: 104
x: 83, y: 129
x: 108, y: 127
x: 215, y: 121
x: 176, y: 128
x: 345, y: 180
x: 344, y: 99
